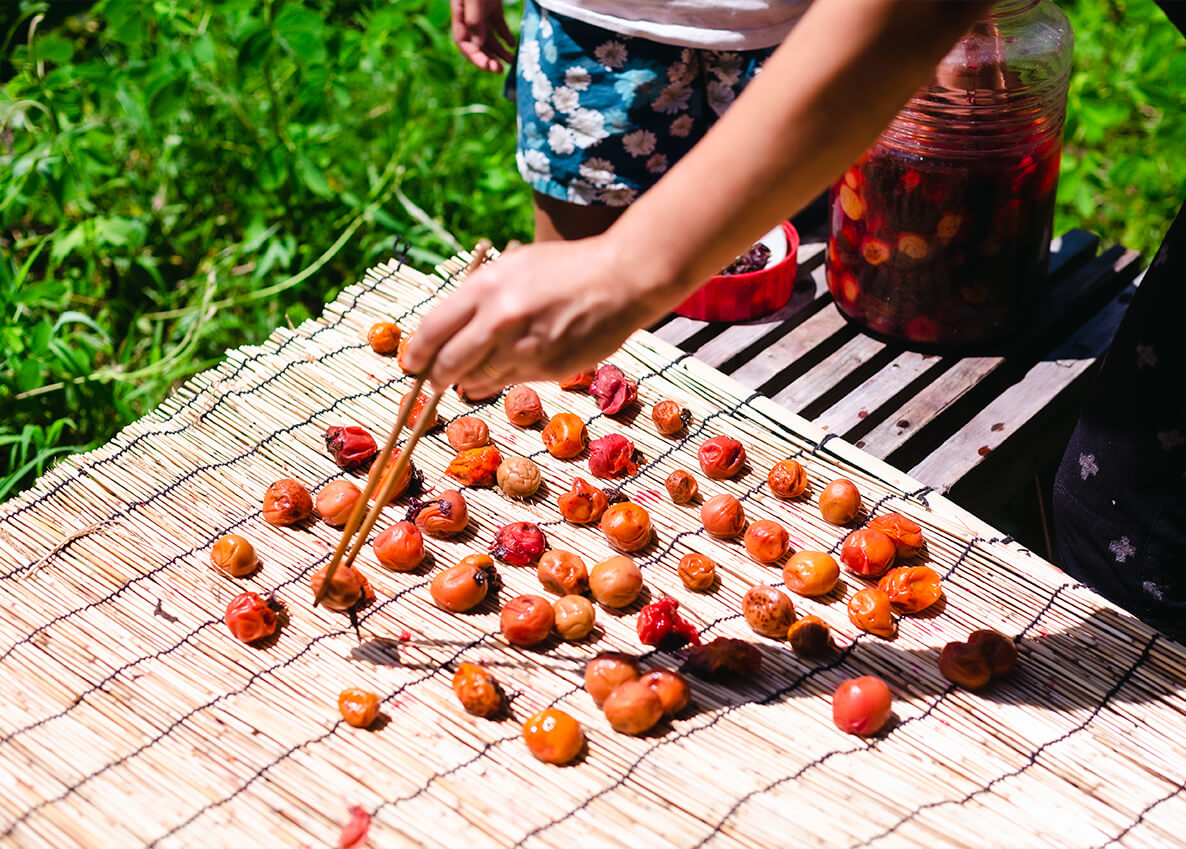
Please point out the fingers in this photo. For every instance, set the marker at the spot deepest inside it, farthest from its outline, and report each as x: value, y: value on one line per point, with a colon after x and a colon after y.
x: 512, y: 361
x: 463, y: 354
x: 442, y: 322
x: 474, y: 22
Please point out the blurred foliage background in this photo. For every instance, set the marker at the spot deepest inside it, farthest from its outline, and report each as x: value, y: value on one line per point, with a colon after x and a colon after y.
x: 178, y: 178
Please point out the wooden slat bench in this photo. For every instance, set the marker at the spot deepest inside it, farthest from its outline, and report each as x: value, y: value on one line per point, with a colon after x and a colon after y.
x: 977, y: 428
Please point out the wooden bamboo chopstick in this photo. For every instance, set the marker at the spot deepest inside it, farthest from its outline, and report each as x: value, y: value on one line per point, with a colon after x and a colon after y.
x: 357, y: 526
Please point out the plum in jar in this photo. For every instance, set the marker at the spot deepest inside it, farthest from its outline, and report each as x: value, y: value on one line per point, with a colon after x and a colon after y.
x: 583, y: 504
x: 721, y: 457
x: 766, y: 541
x: 940, y: 232
x: 627, y: 526
x: 723, y: 516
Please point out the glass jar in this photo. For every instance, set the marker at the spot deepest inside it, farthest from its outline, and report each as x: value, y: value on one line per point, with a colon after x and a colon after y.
x: 940, y: 233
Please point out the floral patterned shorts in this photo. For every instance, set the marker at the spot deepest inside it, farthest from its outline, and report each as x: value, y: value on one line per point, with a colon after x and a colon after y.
x: 603, y: 116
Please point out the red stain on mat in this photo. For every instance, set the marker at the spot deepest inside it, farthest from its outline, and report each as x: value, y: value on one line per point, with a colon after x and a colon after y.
x: 354, y: 833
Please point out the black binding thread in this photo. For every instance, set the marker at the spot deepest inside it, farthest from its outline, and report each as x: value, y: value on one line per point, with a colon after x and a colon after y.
x: 1031, y: 757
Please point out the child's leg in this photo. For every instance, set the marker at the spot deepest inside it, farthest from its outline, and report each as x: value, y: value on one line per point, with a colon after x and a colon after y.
x: 559, y: 220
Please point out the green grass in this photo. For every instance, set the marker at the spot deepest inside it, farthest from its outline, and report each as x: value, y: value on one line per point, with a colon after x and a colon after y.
x: 179, y: 178
x: 1126, y: 124
x: 177, y: 182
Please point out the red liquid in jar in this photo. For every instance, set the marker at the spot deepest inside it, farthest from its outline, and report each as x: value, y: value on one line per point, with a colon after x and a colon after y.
x: 942, y: 251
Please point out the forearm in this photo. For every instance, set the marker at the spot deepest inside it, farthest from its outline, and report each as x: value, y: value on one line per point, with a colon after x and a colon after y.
x: 820, y: 101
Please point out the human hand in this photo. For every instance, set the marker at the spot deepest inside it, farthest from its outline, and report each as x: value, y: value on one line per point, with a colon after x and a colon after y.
x: 539, y: 312
x: 480, y: 31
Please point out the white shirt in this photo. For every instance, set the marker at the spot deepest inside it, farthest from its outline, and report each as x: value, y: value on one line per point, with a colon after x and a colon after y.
x: 707, y: 24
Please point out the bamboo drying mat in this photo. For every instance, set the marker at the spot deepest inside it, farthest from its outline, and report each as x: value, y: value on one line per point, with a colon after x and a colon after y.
x: 129, y: 717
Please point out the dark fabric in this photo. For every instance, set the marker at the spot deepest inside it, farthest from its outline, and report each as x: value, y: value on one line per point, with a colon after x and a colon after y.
x: 1120, y: 493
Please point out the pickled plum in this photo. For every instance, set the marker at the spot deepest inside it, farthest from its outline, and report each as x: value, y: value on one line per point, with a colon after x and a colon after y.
x: 612, y: 456
x: 943, y: 250
x: 583, y: 504
x: 660, y: 625
x: 613, y: 390
x: 862, y: 706
x: 475, y: 466
x: 627, y: 526
x: 352, y: 448
x: 519, y: 543
x: 721, y: 457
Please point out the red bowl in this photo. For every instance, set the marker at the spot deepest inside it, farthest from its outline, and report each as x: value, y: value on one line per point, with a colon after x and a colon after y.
x: 738, y: 297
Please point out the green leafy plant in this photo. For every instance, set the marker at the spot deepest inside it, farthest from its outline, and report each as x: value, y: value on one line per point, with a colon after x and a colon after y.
x: 177, y: 179
x: 1126, y: 123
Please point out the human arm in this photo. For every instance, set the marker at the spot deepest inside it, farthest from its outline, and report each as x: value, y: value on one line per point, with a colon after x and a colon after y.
x: 480, y: 31
x: 549, y: 309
